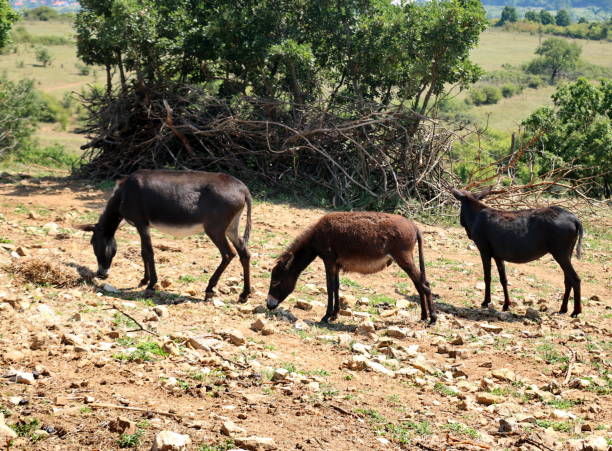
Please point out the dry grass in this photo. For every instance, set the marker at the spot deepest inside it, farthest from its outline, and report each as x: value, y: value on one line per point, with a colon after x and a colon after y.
x: 42, y: 271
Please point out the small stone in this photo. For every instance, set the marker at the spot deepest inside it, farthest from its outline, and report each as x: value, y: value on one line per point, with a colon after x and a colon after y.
x: 507, y: 425
x: 72, y: 340
x: 487, y: 398
x: 559, y: 414
x: 303, y: 305
x: 280, y: 374
x: 365, y: 328
x: 24, y: 378
x: 234, y: 336
x: 378, y: 368
x: 402, y: 304
x: 356, y: 363
x: 457, y: 340
x: 161, y: 311
x: 491, y: 328
x: 231, y: 429
x: 422, y: 365
x: 21, y: 251
x: 397, y: 332
x: 165, y: 283
x: 480, y: 286
x: 110, y: 289
x: 504, y: 374
x: 595, y: 444
x: 258, y: 325
x: 123, y: 425
x: 6, y: 433
x: 170, y: 441
x: 256, y: 443
x: 38, y: 341
x: 533, y: 315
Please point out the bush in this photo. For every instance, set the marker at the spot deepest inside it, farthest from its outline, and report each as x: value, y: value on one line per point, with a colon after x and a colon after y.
x: 492, y: 94
x: 18, y: 114
x: 43, y: 56
x: 51, y: 110
x: 509, y: 90
x: 83, y: 69
x: 54, y: 156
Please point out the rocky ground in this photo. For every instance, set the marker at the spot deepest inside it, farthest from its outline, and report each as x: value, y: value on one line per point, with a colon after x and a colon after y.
x: 221, y: 375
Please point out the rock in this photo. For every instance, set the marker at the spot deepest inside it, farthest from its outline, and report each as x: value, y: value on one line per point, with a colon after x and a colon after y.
x: 533, y: 315
x: 595, y: 444
x: 72, y: 339
x: 487, y: 398
x: 17, y: 400
x: 378, y: 368
x: 507, y: 425
x: 38, y: 341
x: 504, y: 374
x: 361, y: 348
x: 491, y: 328
x: 254, y: 443
x: 21, y: 251
x: 365, y: 328
x: 50, y: 228
x: 46, y: 313
x: 24, y: 378
x: 457, y: 340
x: 258, y: 325
x: 218, y: 303
x: 402, y: 303
x: 123, y: 425
x: 231, y: 429
x: 259, y: 309
x: 234, y: 336
x: 110, y: 289
x: 280, y: 374
x: 203, y: 343
x: 161, y: 311
x: 6, y: 433
x: 397, y: 332
x: 13, y: 355
x: 356, y: 363
x: 304, y: 305
x: 559, y: 414
x: 170, y: 441
x: 422, y: 365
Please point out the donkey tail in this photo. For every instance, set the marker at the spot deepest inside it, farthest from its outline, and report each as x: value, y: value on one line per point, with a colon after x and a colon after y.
x: 247, y: 229
x: 421, y: 256
x: 580, y: 234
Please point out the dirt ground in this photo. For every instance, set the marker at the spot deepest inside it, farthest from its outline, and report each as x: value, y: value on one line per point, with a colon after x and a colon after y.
x: 545, y: 376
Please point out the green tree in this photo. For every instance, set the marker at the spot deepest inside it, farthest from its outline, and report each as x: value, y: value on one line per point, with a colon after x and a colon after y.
x: 577, y: 130
x: 532, y: 16
x: 19, y: 108
x: 42, y: 13
x: 43, y: 56
x: 546, y: 18
x: 562, y: 18
x: 7, y: 17
x: 508, y: 14
x: 558, y: 56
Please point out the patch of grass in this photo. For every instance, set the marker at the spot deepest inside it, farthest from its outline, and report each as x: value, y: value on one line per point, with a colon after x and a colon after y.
x: 129, y: 440
x: 145, y: 352
x: 187, y: 278
x: 559, y: 426
x: 349, y: 282
x: 85, y: 410
x: 5, y: 240
x: 289, y: 366
x: 26, y: 429
x: 444, y: 390
x: 381, y: 299
x: 372, y: 415
x: 550, y: 354
x: 420, y: 428
x: 394, y: 399
x: 564, y: 403
x: 224, y: 446
x: 461, y: 429
x: 144, y: 424
x: 120, y: 320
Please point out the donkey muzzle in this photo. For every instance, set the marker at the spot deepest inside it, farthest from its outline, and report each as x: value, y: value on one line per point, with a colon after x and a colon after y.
x: 272, y: 302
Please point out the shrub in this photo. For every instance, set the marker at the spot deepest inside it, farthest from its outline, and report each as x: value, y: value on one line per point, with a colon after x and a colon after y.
x: 51, y: 110
x: 476, y: 96
x: 83, y: 69
x: 43, y: 56
x: 509, y: 90
x: 18, y: 114
x: 492, y: 94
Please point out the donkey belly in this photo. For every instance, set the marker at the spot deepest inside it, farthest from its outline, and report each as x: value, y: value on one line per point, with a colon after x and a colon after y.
x: 364, y: 265
x: 179, y: 230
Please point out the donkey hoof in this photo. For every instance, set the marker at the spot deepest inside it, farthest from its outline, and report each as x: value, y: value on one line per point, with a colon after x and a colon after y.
x: 243, y: 298
x: 208, y: 295
x: 334, y: 317
x: 143, y: 282
x: 149, y: 292
x: 484, y: 305
x: 325, y: 319
x: 563, y: 311
x: 505, y: 308
x: 575, y: 314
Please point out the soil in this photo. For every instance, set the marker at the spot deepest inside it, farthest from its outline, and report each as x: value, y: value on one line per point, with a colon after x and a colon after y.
x: 350, y: 409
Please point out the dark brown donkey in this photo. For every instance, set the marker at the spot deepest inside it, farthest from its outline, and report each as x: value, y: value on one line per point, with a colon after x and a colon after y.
x: 520, y: 237
x: 181, y: 203
x: 355, y: 242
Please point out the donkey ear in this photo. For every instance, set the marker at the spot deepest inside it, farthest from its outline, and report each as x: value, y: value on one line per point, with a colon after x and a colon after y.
x: 458, y: 194
x: 484, y: 193
x: 86, y: 227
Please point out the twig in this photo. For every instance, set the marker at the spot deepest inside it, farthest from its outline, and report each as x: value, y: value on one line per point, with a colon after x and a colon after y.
x: 141, y: 327
x: 533, y: 442
x: 453, y: 441
x: 424, y: 447
x: 134, y: 409
x: 221, y: 356
x: 343, y: 411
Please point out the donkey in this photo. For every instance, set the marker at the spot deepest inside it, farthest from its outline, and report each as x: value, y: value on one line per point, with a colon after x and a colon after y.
x: 520, y: 237
x: 354, y: 242
x: 181, y: 203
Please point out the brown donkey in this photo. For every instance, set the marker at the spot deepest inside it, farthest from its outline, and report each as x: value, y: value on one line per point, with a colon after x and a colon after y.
x: 354, y: 242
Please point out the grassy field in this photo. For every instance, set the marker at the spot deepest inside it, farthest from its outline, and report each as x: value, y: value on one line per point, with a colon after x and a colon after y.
x: 500, y: 47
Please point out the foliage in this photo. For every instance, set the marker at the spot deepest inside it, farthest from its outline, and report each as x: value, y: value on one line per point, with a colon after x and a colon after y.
x: 558, y: 56
x: 484, y: 95
x: 509, y: 14
x: 337, y: 51
x: 43, y: 13
x: 582, y: 30
x: 562, y: 18
x: 532, y: 16
x: 7, y: 17
x: 43, y: 56
x: 546, y: 17
x: 19, y: 108
x: 130, y: 440
x: 577, y: 130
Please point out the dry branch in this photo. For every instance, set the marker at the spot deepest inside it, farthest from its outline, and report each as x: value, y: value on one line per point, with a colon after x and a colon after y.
x: 140, y: 326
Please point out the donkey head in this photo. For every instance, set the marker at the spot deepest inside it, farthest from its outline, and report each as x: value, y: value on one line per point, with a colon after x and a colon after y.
x: 104, y: 246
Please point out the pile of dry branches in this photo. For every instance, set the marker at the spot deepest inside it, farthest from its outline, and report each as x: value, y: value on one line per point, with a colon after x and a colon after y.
x: 379, y: 159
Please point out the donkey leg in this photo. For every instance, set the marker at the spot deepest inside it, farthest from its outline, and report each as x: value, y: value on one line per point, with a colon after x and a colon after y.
x: 227, y: 254
x: 148, y: 258
x: 245, y: 260
x: 501, y: 269
x: 486, y: 266
x: 571, y: 280
x: 330, y: 279
x: 406, y: 262
x: 336, y: 294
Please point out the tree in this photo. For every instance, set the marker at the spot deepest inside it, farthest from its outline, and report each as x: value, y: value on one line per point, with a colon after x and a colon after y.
x: 557, y: 56
x: 43, y: 56
x: 546, y: 18
x: 532, y: 16
x: 7, y: 17
x: 19, y: 108
x: 577, y: 130
x: 508, y: 14
x: 562, y: 18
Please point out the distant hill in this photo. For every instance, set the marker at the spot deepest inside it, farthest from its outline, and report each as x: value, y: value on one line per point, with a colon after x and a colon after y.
x: 65, y: 5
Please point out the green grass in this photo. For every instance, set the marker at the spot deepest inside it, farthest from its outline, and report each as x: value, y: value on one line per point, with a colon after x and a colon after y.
x: 26, y: 428
x: 564, y: 403
x: 145, y: 352
x: 224, y: 446
x: 461, y: 429
x: 559, y: 426
x: 129, y: 440
x: 443, y: 389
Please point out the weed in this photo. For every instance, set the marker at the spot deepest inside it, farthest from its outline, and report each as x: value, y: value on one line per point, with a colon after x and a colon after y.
x: 85, y: 410
x: 289, y: 367
x: 145, y: 350
x: 563, y: 403
x: 462, y: 429
x: 559, y: 426
x: 187, y: 278
x: 348, y: 377
x: 420, y: 428
x: 349, y: 283
x: 225, y: 446
x: 27, y: 428
x: 144, y: 424
x: 120, y: 320
x: 444, y: 390
x: 130, y: 440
